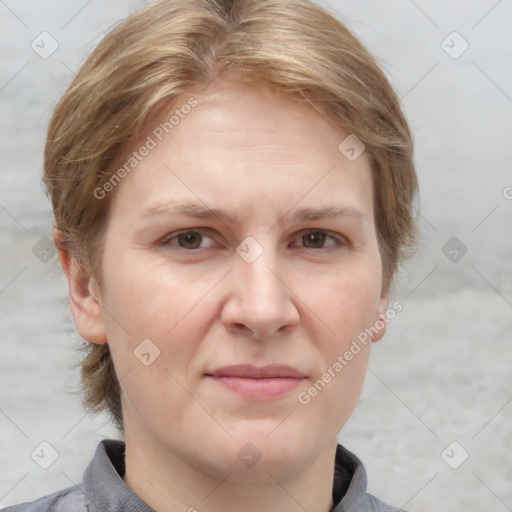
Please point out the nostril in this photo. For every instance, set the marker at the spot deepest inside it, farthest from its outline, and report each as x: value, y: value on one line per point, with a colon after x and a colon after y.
x: 239, y: 327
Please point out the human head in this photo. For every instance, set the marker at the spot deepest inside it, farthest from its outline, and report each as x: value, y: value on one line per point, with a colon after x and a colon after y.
x: 149, y: 63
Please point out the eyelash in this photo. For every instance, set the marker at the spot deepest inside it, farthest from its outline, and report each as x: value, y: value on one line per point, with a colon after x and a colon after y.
x: 339, y: 241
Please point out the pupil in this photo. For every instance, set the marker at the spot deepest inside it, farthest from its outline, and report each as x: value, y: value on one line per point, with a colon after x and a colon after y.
x: 190, y: 240
x: 317, y: 239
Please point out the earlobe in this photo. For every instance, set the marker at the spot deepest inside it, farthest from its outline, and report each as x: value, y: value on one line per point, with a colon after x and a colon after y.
x: 84, y: 297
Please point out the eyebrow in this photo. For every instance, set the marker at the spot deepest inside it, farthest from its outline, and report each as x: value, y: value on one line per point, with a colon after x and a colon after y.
x: 201, y: 211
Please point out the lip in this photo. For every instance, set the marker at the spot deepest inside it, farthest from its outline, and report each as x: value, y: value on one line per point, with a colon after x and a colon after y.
x: 258, y: 383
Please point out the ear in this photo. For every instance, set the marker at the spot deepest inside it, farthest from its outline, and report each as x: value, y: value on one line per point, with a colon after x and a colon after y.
x: 380, y: 323
x: 84, y: 296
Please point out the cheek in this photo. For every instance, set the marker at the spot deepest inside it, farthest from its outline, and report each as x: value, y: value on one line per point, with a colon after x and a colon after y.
x: 174, y: 308
x: 347, y: 305
x: 353, y: 306
x: 155, y: 325
x: 349, y: 308
x: 149, y: 294
x: 346, y: 302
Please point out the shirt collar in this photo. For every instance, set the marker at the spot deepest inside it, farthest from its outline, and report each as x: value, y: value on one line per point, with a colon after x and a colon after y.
x: 350, y: 481
x: 105, y: 488
x: 103, y: 483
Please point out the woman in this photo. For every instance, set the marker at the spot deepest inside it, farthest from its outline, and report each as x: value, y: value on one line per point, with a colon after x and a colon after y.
x: 232, y: 185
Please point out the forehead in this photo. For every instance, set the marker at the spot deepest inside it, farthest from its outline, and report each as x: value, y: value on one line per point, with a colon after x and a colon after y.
x: 241, y: 145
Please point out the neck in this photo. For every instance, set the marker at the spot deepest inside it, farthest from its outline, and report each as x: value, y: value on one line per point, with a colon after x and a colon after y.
x: 167, y: 483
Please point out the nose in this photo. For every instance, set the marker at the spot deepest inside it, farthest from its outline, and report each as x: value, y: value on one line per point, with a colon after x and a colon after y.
x: 261, y: 303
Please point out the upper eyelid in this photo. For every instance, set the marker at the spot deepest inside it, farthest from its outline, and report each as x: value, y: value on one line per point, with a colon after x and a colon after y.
x: 317, y: 230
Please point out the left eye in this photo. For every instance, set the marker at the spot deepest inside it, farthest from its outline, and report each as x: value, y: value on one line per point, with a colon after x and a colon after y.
x: 187, y: 239
x: 317, y: 240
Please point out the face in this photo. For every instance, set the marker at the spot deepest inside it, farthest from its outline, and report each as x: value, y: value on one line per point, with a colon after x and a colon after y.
x: 240, y: 263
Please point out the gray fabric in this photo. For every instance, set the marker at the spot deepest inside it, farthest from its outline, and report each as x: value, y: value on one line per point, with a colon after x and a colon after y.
x: 103, y: 489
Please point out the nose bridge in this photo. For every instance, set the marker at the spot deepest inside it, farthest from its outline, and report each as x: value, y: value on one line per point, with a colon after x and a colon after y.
x: 256, y: 281
x: 259, y: 301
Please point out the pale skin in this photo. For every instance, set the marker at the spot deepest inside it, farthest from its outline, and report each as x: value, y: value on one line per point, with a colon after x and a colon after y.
x: 263, y: 157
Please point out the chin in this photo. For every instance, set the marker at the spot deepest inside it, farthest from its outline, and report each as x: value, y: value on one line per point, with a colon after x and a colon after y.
x: 256, y: 450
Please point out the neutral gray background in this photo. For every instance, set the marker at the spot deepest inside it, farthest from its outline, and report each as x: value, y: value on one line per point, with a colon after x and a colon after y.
x: 443, y: 372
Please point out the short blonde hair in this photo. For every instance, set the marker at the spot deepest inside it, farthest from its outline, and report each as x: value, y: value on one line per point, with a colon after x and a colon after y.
x: 149, y: 61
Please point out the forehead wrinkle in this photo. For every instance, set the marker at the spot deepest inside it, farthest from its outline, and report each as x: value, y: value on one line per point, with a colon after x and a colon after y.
x: 202, y: 211
x: 191, y: 209
x: 307, y: 214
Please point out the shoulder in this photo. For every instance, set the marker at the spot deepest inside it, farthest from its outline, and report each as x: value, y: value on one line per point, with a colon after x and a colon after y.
x: 67, y: 500
x: 102, y: 487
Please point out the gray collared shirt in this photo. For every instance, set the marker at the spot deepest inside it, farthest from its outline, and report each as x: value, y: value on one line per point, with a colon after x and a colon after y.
x: 104, y: 490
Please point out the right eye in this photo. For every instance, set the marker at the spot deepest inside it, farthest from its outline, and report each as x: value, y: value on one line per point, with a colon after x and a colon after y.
x: 189, y: 240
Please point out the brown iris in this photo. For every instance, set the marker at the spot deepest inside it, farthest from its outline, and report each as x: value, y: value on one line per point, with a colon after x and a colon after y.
x: 315, y: 238
x: 190, y: 239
